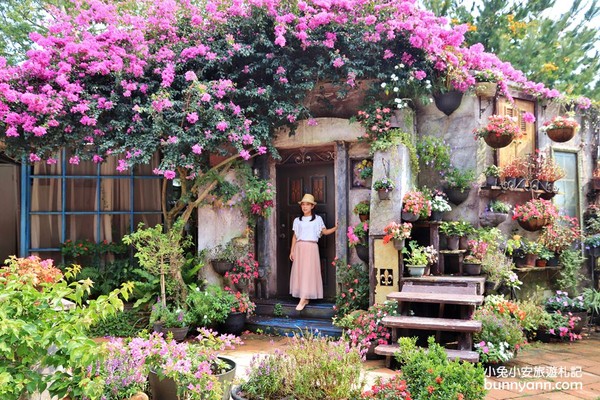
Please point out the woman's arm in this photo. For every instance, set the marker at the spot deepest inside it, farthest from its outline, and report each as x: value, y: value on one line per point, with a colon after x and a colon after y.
x: 329, y: 231
x: 293, y: 245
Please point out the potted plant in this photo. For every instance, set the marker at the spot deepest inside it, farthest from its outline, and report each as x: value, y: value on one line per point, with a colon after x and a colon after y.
x: 458, y: 184
x: 397, y: 233
x: 544, y: 255
x: 208, y: 307
x: 439, y: 205
x: 244, y: 271
x: 358, y: 236
x: 454, y: 230
x: 499, y: 132
x: 362, y: 209
x: 592, y: 244
x: 558, y: 327
x: 561, y: 128
x: 223, y: 257
x: 513, y: 174
x: 560, y: 233
x: 170, y: 321
x: 434, y: 153
x: 415, y: 259
x: 495, y: 213
x: 535, y: 214
x: 492, y: 174
x: 415, y: 205
x: 353, y: 280
x: 240, y: 307
x: 365, y: 172
x: 476, y: 250
x: 547, y: 173
x: 571, y: 306
x: 384, y: 186
x: 307, y: 359
x: 530, y: 249
x: 486, y: 83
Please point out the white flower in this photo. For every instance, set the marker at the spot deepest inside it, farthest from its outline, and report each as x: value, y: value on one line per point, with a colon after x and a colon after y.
x: 383, y: 84
x: 396, y: 89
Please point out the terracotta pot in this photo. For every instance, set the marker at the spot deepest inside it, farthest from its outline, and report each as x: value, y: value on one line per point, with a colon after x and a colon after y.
x: 533, y: 224
x: 530, y: 259
x: 541, y: 263
x: 561, y: 135
x: 448, y: 102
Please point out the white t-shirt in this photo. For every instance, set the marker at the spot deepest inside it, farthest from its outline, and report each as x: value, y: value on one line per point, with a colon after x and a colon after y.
x: 308, y: 230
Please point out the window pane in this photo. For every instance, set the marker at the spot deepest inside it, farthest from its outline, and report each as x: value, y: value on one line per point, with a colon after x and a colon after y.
x: 83, y: 168
x: 148, y: 219
x: 81, y: 227
x: 114, y: 227
x: 115, y: 195
x: 147, y: 194
x: 45, y: 231
x: 567, y: 199
x: 46, y: 194
x: 81, y: 194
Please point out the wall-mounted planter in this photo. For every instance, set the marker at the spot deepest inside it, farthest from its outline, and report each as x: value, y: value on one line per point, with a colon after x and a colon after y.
x: 561, y: 135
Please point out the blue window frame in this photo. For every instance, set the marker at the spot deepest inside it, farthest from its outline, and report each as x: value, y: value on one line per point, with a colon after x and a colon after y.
x: 86, y: 201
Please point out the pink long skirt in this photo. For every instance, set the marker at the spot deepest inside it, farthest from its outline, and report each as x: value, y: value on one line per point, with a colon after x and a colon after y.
x: 305, y: 279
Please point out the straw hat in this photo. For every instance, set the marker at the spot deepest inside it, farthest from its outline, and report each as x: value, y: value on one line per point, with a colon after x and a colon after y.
x: 308, y: 198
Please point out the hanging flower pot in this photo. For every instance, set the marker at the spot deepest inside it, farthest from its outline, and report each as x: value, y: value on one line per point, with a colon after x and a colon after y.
x: 492, y: 219
x: 498, y: 141
x: 533, y: 224
x: 221, y: 266
x: 362, y: 251
x: 561, y: 135
x: 486, y: 90
x: 561, y: 128
x: 448, y: 102
x: 409, y: 216
x: 457, y: 196
x: 383, y: 194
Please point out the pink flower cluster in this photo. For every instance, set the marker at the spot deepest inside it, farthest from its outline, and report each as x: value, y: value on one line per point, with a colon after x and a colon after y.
x: 561, y: 122
x: 535, y: 209
x: 499, y: 125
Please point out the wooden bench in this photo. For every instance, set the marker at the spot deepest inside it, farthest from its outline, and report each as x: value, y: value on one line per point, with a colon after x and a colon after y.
x: 435, y: 324
x: 442, y: 283
x: 441, y: 298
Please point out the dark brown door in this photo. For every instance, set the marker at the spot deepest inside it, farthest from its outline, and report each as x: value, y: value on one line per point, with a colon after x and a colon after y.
x: 293, y: 181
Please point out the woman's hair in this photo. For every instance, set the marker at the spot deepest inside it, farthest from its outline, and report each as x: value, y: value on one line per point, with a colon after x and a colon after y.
x: 312, y: 212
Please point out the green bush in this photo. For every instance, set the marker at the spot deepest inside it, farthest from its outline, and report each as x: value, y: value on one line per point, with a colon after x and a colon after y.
x: 431, y: 376
x: 123, y: 324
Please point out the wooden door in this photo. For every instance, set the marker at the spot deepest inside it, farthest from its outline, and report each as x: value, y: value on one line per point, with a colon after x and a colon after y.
x: 293, y: 181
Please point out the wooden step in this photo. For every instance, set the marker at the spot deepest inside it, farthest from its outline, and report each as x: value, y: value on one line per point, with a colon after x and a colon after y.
x: 436, y: 324
x: 442, y: 298
x: 388, y: 350
x: 446, y: 281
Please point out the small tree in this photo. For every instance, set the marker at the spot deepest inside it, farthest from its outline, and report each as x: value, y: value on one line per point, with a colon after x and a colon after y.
x: 163, y: 254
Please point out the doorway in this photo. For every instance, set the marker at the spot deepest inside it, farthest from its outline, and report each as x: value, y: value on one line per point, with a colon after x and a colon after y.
x: 293, y: 181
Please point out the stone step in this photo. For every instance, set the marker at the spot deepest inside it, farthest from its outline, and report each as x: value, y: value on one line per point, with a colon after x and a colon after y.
x: 283, y: 326
x: 442, y: 298
x: 316, y: 309
x: 388, y: 350
x: 436, y: 324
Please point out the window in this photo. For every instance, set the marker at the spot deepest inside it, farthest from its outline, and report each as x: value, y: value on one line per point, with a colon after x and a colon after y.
x: 567, y: 199
x: 526, y: 145
x: 85, y: 201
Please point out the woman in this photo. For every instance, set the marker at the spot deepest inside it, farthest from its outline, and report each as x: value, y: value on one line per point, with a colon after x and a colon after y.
x: 305, y: 280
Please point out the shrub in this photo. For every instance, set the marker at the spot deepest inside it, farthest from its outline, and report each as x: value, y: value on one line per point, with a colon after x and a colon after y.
x: 354, y: 283
x: 431, y: 376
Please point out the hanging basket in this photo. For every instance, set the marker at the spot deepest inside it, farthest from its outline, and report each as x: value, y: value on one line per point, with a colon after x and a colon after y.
x: 456, y: 196
x: 498, y: 141
x: 486, y: 90
x: 448, y: 102
x: 561, y: 135
x: 221, y: 267
x: 383, y: 194
x: 533, y: 224
x: 362, y: 251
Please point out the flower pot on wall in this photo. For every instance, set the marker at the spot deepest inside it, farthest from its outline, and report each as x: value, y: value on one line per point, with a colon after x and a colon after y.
x: 221, y: 267
x: 398, y: 244
x: 362, y: 251
x: 383, y: 194
x: 561, y: 135
x: 498, y: 141
x: 363, y: 217
x: 533, y: 224
x: 490, y: 219
x: 456, y: 196
x: 486, y: 90
x: 409, y: 216
x: 448, y: 102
